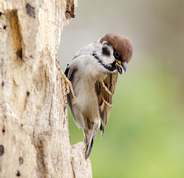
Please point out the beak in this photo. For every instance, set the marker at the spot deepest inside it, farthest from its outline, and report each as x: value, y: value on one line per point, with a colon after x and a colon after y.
x: 121, y: 67
x: 125, y: 66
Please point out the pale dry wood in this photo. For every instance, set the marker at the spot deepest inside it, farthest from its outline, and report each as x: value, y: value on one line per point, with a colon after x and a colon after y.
x: 34, y: 135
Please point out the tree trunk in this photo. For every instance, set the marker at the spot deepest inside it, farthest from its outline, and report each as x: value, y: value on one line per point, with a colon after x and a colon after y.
x: 34, y: 136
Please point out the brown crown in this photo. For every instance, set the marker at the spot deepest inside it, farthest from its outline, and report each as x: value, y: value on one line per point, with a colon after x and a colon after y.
x: 121, y: 44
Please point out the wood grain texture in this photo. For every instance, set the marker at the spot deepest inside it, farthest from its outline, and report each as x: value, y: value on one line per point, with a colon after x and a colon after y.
x: 34, y: 135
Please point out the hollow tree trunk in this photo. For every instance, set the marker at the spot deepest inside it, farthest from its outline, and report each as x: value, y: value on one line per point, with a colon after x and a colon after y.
x: 34, y: 136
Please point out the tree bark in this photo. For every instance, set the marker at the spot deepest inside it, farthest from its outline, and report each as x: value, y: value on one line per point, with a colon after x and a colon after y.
x: 34, y: 136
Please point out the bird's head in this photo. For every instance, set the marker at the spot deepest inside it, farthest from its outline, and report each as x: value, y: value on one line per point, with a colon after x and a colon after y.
x: 121, y: 49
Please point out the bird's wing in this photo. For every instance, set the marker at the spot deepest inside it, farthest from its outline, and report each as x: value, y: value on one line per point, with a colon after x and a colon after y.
x: 105, y: 90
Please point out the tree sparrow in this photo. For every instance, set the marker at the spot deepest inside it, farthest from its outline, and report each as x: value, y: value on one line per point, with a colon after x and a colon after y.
x: 93, y: 74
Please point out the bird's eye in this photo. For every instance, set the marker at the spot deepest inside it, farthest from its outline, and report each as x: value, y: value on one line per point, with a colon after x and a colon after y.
x: 106, y: 51
x: 117, y: 55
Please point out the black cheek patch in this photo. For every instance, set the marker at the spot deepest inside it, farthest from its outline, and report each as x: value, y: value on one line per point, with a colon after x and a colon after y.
x: 106, y: 51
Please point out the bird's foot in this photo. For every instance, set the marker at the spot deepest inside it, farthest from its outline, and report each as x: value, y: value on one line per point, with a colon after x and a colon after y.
x: 106, y: 89
x: 107, y: 103
x: 68, y: 87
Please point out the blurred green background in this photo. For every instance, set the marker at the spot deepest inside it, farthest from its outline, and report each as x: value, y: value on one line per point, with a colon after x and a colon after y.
x: 145, y: 134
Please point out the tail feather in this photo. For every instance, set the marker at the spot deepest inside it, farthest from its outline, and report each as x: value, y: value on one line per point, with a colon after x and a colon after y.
x: 88, y: 149
x: 89, y: 139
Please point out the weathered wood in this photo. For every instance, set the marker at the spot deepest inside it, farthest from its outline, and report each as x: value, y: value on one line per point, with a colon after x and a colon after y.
x: 34, y: 136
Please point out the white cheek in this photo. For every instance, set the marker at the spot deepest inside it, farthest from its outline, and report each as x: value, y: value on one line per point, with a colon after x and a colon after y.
x: 109, y: 60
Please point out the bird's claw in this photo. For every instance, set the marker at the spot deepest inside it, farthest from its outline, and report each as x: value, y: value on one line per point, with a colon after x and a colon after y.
x: 106, y: 89
x: 69, y: 87
x: 107, y: 103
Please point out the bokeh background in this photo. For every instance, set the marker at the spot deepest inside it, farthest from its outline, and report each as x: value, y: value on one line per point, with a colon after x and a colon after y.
x: 145, y: 134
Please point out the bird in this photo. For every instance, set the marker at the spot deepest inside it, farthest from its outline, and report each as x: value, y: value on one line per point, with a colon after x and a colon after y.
x: 93, y: 74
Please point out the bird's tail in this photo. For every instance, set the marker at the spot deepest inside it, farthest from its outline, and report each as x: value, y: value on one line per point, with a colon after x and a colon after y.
x: 88, y: 148
x: 89, y: 138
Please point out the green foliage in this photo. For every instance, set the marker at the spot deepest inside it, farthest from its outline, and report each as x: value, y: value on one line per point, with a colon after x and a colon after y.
x: 144, y: 137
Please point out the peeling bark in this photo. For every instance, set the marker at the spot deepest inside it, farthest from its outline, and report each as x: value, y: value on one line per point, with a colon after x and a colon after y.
x: 34, y: 136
